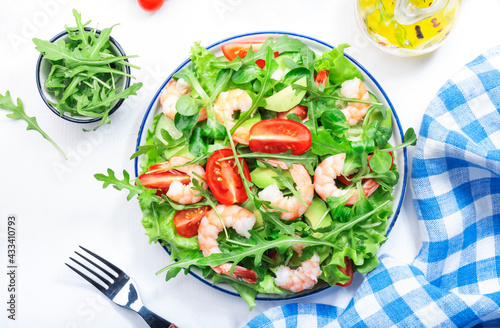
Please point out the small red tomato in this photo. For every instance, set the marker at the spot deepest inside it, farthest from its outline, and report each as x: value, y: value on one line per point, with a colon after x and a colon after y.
x: 300, y: 110
x: 187, y: 221
x: 277, y: 135
x: 151, y: 5
x: 233, y: 50
x: 321, y: 78
x: 163, y: 179
x: 348, y: 271
x: 224, y: 179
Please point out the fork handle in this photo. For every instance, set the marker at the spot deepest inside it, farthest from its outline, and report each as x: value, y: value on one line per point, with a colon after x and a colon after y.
x: 154, y: 320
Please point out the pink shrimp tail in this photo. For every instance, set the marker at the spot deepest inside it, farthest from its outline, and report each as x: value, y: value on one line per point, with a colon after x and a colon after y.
x: 369, y: 187
x: 240, y: 272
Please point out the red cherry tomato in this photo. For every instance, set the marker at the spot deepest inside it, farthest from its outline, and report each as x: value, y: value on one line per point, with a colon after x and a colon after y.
x: 322, y: 77
x: 279, y: 135
x: 348, y: 271
x: 344, y: 179
x: 151, y: 5
x: 233, y: 50
x: 187, y: 221
x: 163, y: 179
x: 224, y: 179
x: 300, y: 110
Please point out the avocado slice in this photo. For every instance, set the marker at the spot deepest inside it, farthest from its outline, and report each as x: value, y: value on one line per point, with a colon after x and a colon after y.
x: 317, y: 215
x: 377, y: 116
x: 264, y: 177
x: 168, y: 125
x: 286, y: 99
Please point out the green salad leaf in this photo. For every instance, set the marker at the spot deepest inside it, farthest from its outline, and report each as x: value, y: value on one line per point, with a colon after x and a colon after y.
x: 340, y: 235
x: 340, y: 68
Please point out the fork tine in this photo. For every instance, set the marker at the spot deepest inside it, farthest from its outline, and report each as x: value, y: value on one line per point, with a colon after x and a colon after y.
x: 97, y: 266
x: 92, y: 282
x: 110, y: 265
x: 104, y: 280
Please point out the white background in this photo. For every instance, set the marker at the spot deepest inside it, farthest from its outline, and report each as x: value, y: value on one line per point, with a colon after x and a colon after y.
x: 59, y: 204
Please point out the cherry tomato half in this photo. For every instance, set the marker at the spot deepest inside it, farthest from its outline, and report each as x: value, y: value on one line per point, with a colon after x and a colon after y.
x: 279, y: 135
x: 163, y: 179
x: 233, y: 50
x: 300, y: 110
x: 224, y: 180
x: 151, y: 5
x: 321, y: 78
x: 344, y: 179
x: 348, y: 271
x: 187, y: 221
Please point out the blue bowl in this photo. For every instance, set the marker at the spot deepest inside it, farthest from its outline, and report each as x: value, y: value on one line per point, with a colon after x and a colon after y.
x: 371, y: 84
x: 43, y: 68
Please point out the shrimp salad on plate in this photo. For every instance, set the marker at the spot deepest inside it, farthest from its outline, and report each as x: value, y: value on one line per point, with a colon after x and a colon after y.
x: 268, y: 168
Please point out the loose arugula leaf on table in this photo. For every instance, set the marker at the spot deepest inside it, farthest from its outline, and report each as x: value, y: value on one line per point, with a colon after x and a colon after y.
x: 18, y: 113
x: 118, y: 184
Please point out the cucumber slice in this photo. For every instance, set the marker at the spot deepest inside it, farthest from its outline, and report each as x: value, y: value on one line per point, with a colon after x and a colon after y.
x: 168, y: 125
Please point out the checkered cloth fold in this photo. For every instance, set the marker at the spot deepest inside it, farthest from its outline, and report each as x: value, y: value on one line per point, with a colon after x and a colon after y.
x: 454, y: 280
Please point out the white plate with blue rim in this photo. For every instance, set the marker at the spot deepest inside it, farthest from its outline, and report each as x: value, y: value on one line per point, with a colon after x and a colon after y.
x: 400, y: 156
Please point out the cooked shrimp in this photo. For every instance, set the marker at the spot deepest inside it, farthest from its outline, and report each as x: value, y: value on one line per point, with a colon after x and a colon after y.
x: 355, y: 111
x: 172, y: 92
x: 182, y: 193
x: 229, y: 102
x: 291, y: 204
x: 325, y: 175
x: 233, y: 216
x: 304, y: 277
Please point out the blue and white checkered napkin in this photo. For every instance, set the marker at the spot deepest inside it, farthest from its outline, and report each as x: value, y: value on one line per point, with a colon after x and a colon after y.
x: 454, y: 281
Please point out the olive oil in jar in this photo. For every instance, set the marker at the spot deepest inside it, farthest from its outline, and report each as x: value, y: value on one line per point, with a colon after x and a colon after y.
x: 381, y: 24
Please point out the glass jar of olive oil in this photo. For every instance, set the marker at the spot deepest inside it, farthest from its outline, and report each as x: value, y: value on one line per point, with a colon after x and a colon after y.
x: 407, y: 27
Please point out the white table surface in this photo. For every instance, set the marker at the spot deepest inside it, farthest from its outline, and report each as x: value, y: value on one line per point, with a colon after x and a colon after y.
x: 58, y: 203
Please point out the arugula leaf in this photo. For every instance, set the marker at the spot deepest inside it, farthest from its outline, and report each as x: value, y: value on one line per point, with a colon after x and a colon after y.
x: 308, y: 159
x: 257, y: 246
x: 323, y: 143
x: 18, y: 113
x: 118, y: 184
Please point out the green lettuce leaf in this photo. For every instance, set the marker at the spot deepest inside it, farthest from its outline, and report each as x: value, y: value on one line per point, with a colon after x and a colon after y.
x: 340, y: 68
x: 159, y: 224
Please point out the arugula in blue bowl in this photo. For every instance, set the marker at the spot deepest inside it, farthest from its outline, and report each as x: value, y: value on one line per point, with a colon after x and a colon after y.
x: 83, y: 74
